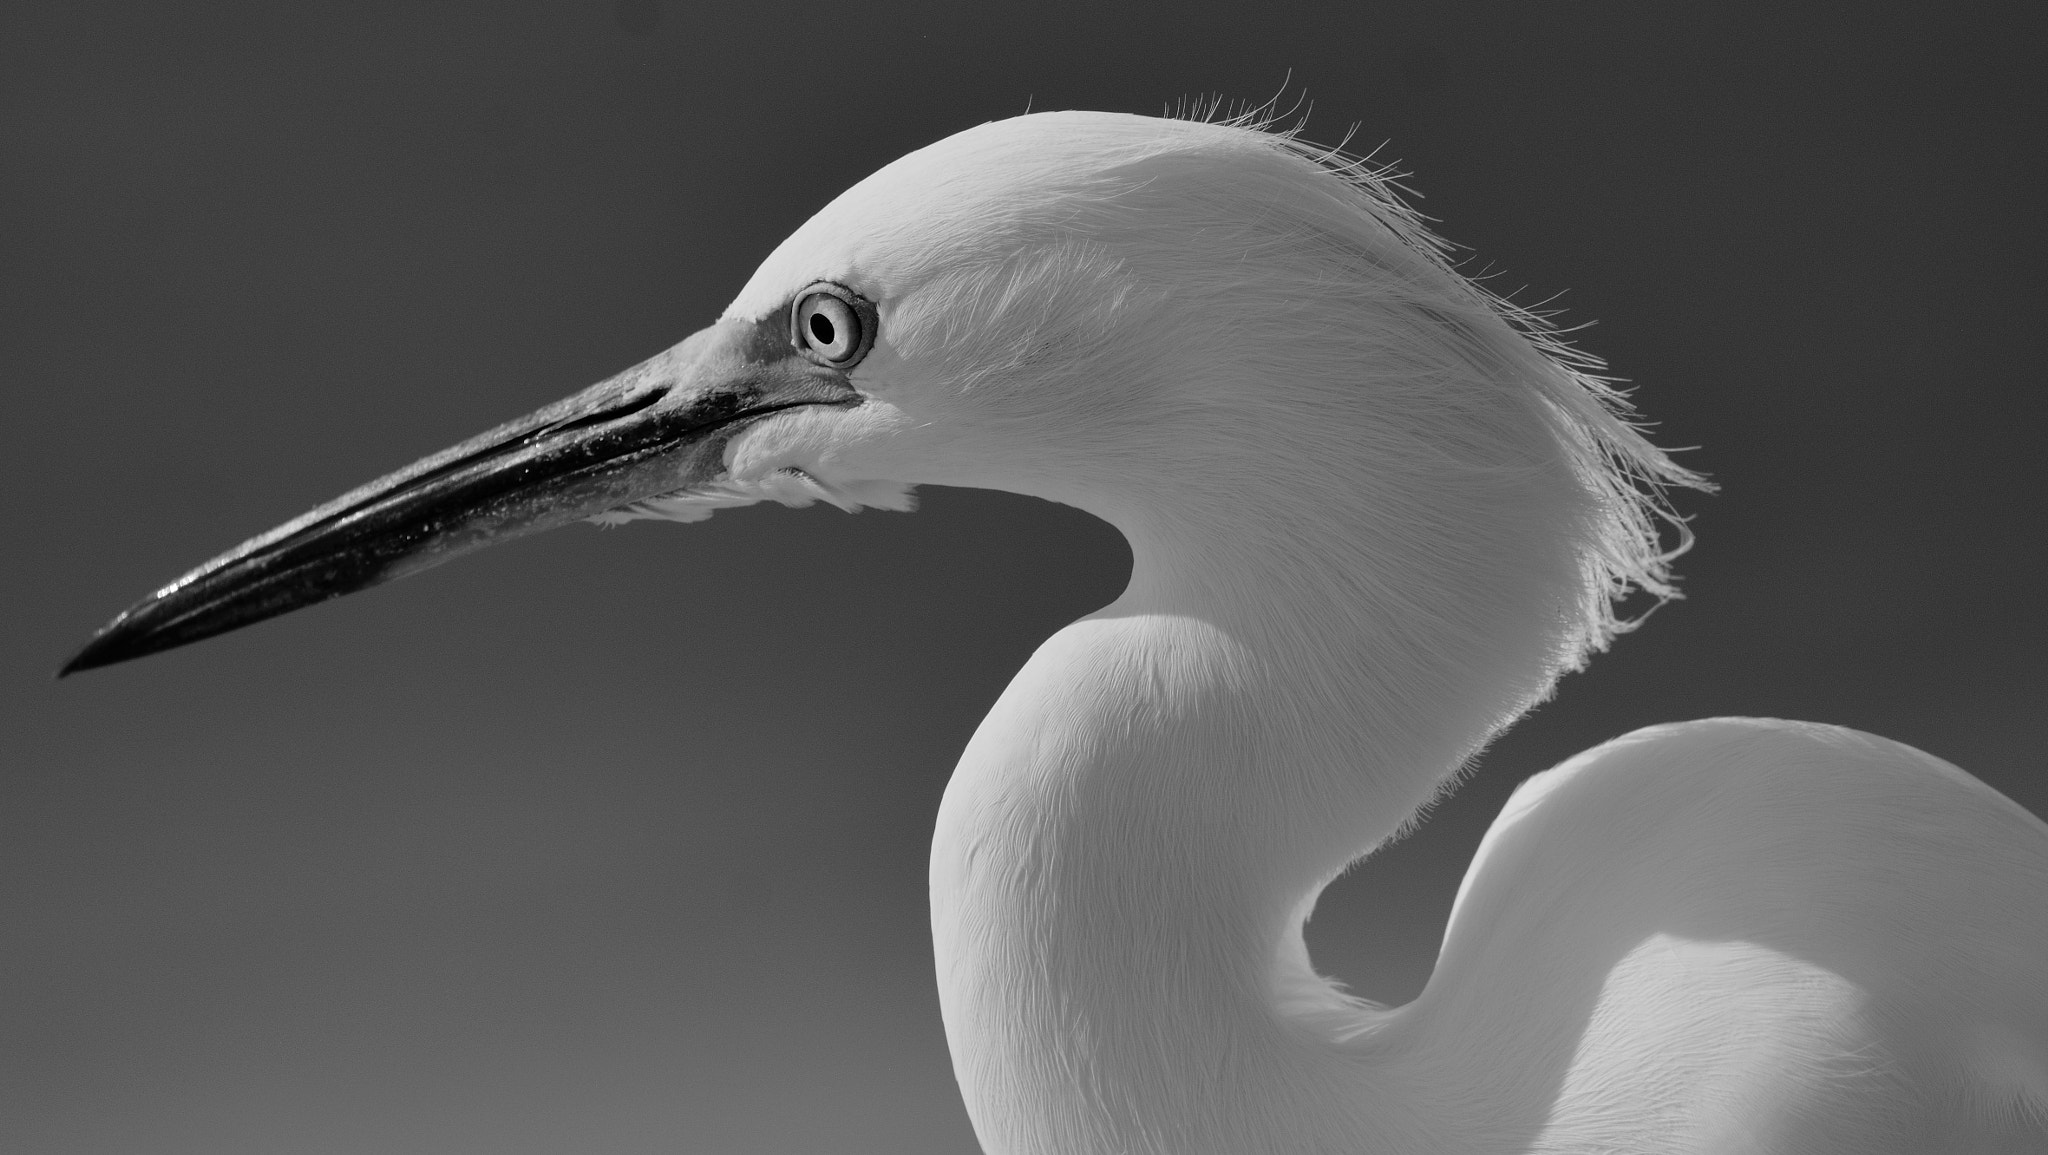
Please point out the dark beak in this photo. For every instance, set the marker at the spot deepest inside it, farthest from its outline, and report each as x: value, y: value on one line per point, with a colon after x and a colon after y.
x: 659, y: 427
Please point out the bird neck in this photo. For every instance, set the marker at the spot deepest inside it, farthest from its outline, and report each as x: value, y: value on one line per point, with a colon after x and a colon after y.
x: 1128, y: 849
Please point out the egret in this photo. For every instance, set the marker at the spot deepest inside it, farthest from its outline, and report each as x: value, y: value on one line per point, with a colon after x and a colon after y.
x: 1374, y: 514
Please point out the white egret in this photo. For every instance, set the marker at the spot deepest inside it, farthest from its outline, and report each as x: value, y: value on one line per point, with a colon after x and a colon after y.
x: 1374, y: 515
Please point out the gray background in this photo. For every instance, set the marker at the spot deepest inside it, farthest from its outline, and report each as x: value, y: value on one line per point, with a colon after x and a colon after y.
x: 614, y: 841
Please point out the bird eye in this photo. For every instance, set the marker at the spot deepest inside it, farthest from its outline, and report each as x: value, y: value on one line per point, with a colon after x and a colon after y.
x: 831, y: 326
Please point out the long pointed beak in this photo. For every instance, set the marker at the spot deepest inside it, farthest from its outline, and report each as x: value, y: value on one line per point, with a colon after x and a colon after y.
x: 659, y: 427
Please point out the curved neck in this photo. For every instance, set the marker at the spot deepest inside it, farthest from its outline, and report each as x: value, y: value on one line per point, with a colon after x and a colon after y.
x: 1131, y: 842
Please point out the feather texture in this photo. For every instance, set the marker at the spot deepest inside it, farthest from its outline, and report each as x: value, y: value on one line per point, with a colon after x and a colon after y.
x: 1375, y: 512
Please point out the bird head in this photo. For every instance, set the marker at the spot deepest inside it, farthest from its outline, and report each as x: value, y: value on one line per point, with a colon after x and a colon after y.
x: 1127, y: 314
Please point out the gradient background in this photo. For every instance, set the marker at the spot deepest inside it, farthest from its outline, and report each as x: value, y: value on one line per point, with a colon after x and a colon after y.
x: 615, y: 842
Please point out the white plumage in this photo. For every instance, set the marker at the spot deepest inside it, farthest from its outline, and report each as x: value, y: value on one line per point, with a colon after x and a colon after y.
x: 1374, y: 514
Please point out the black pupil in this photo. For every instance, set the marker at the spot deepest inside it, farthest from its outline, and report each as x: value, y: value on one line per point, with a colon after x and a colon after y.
x: 821, y: 328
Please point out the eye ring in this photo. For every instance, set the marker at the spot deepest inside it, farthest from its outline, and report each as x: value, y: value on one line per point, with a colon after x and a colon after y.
x: 832, y: 325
